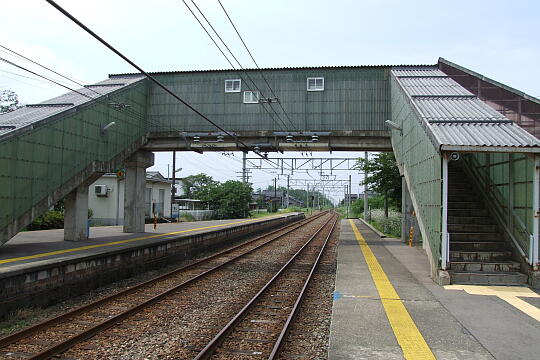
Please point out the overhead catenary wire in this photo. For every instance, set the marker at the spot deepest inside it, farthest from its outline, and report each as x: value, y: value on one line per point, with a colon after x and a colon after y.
x: 71, y: 79
x: 282, y: 125
x: 256, y: 64
x: 142, y: 71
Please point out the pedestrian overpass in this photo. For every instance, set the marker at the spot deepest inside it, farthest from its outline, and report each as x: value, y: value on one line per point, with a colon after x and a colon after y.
x: 438, y: 119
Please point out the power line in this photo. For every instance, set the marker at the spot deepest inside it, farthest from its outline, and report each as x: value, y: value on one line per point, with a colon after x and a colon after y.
x: 255, y: 62
x: 79, y: 83
x: 152, y: 78
x: 284, y: 126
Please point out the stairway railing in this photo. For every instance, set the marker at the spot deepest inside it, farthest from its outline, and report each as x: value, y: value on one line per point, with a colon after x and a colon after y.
x: 517, y: 230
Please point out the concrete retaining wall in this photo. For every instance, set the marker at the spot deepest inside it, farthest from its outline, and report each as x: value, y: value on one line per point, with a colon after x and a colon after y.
x: 48, y: 282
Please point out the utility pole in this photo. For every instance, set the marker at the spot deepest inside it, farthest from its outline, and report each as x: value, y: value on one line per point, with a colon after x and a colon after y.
x: 173, y: 189
x: 244, y: 172
x: 288, y: 179
x: 366, y: 205
x: 350, y: 191
x: 345, y: 203
x: 307, y: 197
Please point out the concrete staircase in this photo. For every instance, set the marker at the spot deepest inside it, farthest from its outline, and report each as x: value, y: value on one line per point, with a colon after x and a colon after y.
x: 478, y: 252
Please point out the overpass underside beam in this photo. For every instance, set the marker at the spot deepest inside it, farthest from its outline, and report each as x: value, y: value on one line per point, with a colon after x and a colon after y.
x: 264, y: 142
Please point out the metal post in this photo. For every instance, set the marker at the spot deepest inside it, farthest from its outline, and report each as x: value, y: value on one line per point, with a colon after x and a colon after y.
x: 345, y: 200
x: 536, y: 213
x: 366, y: 200
x: 288, y: 180
x: 511, y: 191
x: 244, y: 172
x: 445, y: 238
x: 173, y: 188
x: 350, y: 191
x: 307, y: 197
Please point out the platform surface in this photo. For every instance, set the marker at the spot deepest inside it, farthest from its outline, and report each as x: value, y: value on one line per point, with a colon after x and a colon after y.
x: 38, y: 246
x: 454, y: 322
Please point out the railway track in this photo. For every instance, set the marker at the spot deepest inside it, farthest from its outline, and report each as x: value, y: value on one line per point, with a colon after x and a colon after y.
x: 261, y: 327
x: 56, y: 335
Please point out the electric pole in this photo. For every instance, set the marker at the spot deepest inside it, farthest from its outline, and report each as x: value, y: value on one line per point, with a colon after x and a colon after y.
x: 350, y: 191
x: 173, y: 189
x: 366, y: 205
x: 244, y: 172
x: 288, y: 179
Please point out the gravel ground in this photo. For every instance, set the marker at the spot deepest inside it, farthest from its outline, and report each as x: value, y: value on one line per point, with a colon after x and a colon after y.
x: 309, y: 336
x: 178, y: 327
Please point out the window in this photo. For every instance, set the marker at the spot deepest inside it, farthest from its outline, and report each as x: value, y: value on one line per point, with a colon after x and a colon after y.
x: 251, y: 97
x: 232, y: 85
x: 315, y: 84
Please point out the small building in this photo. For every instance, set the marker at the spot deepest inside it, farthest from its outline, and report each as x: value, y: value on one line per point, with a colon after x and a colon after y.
x: 106, y: 198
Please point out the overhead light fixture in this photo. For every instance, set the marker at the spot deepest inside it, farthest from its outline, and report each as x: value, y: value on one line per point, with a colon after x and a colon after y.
x: 104, y: 128
x: 256, y: 148
x: 393, y: 125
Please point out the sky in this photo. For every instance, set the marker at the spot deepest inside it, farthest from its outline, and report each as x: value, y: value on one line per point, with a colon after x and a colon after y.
x: 499, y: 39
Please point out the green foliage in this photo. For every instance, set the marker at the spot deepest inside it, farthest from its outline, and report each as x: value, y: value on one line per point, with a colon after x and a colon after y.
x: 390, y: 225
x: 53, y: 219
x: 375, y: 202
x: 229, y: 199
x: 383, y: 176
x: 9, y: 101
x: 300, y: 194
x: 186, y: 217
x: 194, y: 185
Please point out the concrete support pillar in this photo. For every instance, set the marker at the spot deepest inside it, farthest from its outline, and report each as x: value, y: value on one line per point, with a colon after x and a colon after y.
x: 134, y: 190
x: 76, y: 214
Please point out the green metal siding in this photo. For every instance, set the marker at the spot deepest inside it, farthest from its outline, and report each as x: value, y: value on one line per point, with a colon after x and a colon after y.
x: 37, y: 162
x: 422, y: 163
x: 353, y: 99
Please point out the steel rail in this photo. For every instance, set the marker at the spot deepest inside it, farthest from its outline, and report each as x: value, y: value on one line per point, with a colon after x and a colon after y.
x: 115, y: 319
x: 278, y: 346
x: 210, y: 348
x: 10, y: 339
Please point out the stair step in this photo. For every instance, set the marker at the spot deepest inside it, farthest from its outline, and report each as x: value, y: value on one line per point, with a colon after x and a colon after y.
x: 474, y: 236
x: 487, y: 278
x: 479, y: 220
x: 467, y: 212
x: 477, y: 246
x: 492, y: 267
x: 465, y: 205
x: 472, y: 228
x: 456, y: 196
x: 489, y: 256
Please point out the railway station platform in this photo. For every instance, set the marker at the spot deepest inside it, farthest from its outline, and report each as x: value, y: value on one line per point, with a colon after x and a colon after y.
x: 387, y: 307
x: 39, y: 268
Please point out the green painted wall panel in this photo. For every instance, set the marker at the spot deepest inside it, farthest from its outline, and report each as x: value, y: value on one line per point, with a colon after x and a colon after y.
x: 422, y: 164
x: 40, y: 160
x: 353, y: 99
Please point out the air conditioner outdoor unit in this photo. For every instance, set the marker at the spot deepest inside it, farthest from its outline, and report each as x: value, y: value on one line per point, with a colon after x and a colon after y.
x: 101, y: 190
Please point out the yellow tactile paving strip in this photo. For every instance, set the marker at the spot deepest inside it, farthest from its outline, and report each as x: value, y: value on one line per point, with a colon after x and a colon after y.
x: 65, y: 251
x: 410, y: 339
x: 510, y: 294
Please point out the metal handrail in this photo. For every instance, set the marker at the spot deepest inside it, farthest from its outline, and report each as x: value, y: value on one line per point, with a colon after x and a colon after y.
x: 484, y: 181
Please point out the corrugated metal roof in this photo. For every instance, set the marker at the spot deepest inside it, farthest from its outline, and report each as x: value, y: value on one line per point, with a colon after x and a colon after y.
x: 456, y: 109
x: 481, y: 134
x: 415, y: 72
x: 458, y: 120
x: 280, y: 68
x: 437, y: 85
x: 35, y: 113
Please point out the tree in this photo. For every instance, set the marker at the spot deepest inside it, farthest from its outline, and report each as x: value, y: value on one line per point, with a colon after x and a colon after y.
x: 9, y: 101
x: 193, y: 185
x: 383, y: 177
x: 229, y: 199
